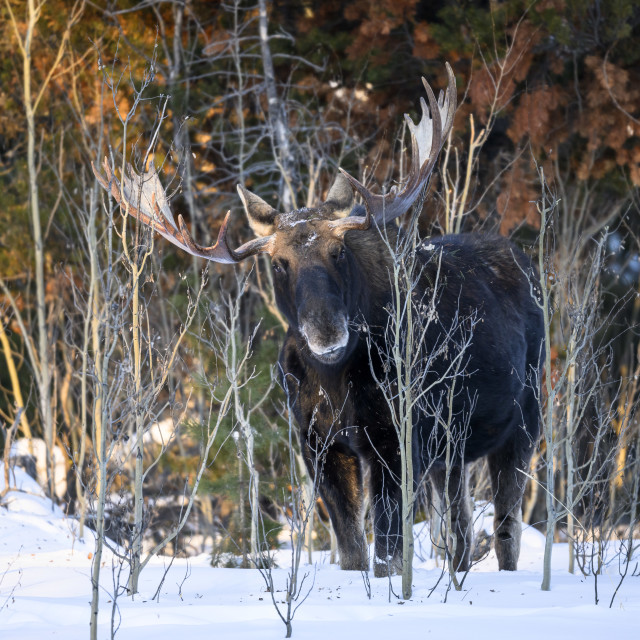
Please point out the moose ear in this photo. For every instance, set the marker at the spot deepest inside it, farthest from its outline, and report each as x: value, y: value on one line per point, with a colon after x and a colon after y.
x: 262, y: 217
x: 340, y: 200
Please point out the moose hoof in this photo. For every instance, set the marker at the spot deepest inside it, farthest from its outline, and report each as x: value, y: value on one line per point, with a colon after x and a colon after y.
x: 385, y: 568
x: 354, y: 563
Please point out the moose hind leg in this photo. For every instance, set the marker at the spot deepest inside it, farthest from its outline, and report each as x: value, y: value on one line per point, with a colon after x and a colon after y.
x: 506, y: 466
x: 386, y: 496
x: 461, y: 537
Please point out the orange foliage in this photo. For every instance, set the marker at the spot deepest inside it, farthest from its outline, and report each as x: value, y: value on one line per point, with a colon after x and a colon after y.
x: 378, y: 20
x: 516, y: 202
x: 423, y: 45
x: 493, y: 85
x: 535, y: 117
x: 610, y: 120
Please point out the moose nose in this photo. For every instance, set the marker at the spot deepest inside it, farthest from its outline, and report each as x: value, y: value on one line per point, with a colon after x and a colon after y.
x: 326, y: 339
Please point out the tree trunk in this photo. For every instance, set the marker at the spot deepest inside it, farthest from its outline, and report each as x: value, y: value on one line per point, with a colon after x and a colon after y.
x: 44, y: 370
x: 277, y: 117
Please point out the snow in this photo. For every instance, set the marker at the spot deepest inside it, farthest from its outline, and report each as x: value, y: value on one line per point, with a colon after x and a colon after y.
x: 45, y: 592
x: 36, y: 449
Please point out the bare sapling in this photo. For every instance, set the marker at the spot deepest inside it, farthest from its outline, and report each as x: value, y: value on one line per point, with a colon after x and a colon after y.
x: 104, y: 328
x: 136, y: 255
x: 606, y: 538
x: 235, y: 353
x: 408, y: 385
x: 109, y: 378
x: 143, y: 374
x: 629, y: 564
x: 546, y: 206
x: 140, y: 192
x: 301, y: 505
x: 573, y: 385
x: 461, y: 192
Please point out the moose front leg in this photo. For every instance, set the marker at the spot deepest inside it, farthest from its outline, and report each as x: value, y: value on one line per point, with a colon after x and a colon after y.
x: 339, y: 479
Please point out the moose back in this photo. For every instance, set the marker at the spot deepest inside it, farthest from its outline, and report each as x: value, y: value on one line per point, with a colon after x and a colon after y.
x: 331, y: 273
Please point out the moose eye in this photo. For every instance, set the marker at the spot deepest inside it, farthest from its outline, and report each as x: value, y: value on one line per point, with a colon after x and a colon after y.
x: 340, y: 255
x: 278, y: 268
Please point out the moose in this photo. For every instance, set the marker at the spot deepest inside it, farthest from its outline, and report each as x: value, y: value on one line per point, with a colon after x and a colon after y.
x: 331, y: 274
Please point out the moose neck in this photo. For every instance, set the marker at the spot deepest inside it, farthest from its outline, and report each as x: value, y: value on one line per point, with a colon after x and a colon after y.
x: 371, y: 252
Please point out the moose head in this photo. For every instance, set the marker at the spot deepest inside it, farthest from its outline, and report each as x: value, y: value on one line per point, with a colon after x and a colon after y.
x: 312, y: 264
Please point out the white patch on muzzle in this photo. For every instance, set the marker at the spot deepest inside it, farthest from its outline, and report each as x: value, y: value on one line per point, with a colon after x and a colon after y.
x: 317, y: 342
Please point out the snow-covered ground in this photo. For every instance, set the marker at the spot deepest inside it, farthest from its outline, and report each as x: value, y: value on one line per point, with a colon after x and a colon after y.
x: 45, y: 593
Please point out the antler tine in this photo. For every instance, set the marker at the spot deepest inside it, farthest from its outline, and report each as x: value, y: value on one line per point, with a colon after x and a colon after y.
x: 219, y: 252
x: 418, y: 180
x: 254, y: 247
x: 248, y: 249
x: 158, y: 219
x: 356, y: 223
x: 112, y: 185
x: 427, y: 138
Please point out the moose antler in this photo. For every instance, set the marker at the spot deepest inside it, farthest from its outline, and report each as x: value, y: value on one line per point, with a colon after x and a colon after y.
x: 145, y: 200
x: 427, y: 138
x: 142, y: 196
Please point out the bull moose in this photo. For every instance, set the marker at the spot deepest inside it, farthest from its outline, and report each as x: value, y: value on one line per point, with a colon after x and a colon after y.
x: 331, y: 274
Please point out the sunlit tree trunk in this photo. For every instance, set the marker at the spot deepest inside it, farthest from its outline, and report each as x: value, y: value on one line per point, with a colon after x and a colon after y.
x: 32, y: 97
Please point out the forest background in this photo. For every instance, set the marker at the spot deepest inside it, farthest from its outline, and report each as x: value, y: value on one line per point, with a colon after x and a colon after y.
x: 144, y: 373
